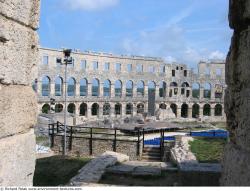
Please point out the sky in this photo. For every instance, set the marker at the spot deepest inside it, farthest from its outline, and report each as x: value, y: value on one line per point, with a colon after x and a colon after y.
x: 183, y: 31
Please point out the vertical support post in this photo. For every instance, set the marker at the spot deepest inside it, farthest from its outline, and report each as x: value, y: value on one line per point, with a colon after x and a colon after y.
x: 114, y: 149
x: 138, y: 142
x: 71, y: 138
x: 143, y: 138
x: 52, y: 136
x: 90, y: 142
x: 57, y: 126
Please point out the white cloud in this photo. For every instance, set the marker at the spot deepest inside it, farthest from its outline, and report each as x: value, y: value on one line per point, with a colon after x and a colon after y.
x: 217, y: 55
x: 90, y: 5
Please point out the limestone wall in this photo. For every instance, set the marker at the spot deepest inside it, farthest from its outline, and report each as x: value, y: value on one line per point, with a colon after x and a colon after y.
x: 18, y: 57
x: 236, y: 162
x: 81, y: 147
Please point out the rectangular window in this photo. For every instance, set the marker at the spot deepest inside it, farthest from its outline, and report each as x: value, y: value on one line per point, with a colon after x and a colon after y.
x: 173, y: 73
x: 83, y: 64
x: 151, y: 69
x: 185, y: 73
x: 139, y: 68
x: 95, y: 65
x: 162, y: 69
x: 45, y: 60
x: 58, y: 62
x: 129, y: 67
x: 207, y: 71
x: 118, y: 67
x: 72, y: 64
x: 218, y: 72
x: 106, y: 66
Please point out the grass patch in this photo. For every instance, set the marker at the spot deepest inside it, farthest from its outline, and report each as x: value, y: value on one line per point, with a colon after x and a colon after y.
x: 57, y: 170
x: 208, y: 150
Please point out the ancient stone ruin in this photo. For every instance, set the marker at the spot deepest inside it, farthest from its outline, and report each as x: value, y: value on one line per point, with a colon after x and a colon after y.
x: 18, y: 57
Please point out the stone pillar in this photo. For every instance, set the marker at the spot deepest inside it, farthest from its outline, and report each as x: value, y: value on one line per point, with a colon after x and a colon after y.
x: 178, y: 112
x: 89, y: 111
x: 146, y: 91
x: 52, y: 89
x: 89, y: 94
x: 100, y: 111
x: 201, y: 111
x: 189, y: 111
x: 101, y: 90
x: 134, y: 110
x: 157, y: 92
x: 18, y: 104
x: 77, y: 89
x: 236, y: 163
x: 123, y: 110
x: 112, y: 90
x: 134, y: 91
x: 201, y: 93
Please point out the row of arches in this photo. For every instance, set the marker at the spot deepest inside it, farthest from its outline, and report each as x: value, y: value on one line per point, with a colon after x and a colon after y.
x: 129, y: 86
x: 95, y: 109
x: 106, y: 109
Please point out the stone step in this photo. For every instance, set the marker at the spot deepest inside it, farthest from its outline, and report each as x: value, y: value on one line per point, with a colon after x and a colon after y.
x: 151, y: 154
x: 157, y: 149
x: 151, y: 158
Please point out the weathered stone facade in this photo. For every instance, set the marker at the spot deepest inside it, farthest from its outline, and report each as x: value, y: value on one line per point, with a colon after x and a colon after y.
x: 127, y: 85
x: 236, y: 162
x: 19, y: 20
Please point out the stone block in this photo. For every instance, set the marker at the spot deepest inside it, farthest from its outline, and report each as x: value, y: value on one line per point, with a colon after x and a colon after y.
x: 17, y: 109
x: 17, y: 162
x: 23, y: 11
x: 19, y: 54
x: 237, y: 163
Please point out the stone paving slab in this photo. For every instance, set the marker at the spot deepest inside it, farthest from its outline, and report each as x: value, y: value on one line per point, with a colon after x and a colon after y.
x: 146, y: 171
x: 93, y: 171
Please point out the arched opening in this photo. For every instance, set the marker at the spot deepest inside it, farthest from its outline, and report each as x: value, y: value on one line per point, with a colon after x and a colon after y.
x: 58, y: 108
x: 83, y: 87
x: 207, y: 90
x: 95, y: 109
x: 118, y: 88
x: 106, y: 109
x: 71, y: 90
x: 58, y: 86
x: 173, y: 89
x: 95, y: 87
x: 45, y: 86
x: 184, y: 110
x: 72, y: 108
x: 129, y: 89
x: 218, y: 110
x: 83, y: 109
x: 174, y: 108
x: 195, y: 111
x: 162, y: 89
x: 106, y: 88
x: 184, y: 89
x: 118, y: 109
x: 140, y: 88
x: 196, y: 90
x: 163, y: 106
x: 207, y: 110
x: 129, y: 109
x: 140, y: 108
x: 46, y: 108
